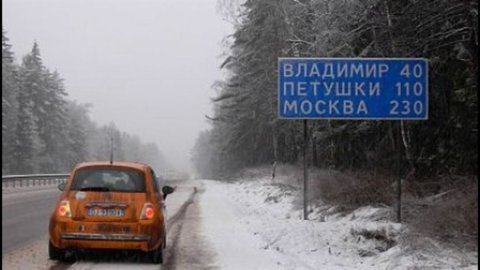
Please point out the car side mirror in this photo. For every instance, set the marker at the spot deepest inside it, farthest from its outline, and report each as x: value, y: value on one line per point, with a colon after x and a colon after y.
x: 167, y: 190
x: 61, y: 186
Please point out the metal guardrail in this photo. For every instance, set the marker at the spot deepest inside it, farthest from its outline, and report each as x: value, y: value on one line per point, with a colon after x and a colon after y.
x: 33, y: 180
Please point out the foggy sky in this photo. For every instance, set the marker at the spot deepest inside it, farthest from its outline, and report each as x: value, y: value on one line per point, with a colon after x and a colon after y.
x: 146, y: 65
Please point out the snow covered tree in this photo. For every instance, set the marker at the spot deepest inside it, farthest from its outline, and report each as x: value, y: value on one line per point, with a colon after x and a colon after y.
x: 245, y: 130
x: 132, y: 146
x: 9, y: 103
x: 152, y: 155
x: 50, y: 109
x: 43, y: 132
x: 27, y: 144
x: 203, y: 155
x: 79, y: 126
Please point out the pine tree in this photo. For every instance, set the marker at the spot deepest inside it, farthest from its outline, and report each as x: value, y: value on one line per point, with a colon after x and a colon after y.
x: 27, y: 144
x: 203, y: 155
x: 79, y: 129
x: 51, y: 121
x: 245, y: 129
x: 9, y: 104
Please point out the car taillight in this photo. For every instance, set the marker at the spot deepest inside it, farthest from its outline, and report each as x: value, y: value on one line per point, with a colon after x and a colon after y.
x: 147, y: 211
x: 64, y: 209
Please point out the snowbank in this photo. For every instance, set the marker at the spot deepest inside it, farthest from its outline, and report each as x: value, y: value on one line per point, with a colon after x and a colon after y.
x: 268, y: 222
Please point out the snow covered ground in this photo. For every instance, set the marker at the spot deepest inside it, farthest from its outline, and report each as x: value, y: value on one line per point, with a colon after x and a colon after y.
x: 254, y: 224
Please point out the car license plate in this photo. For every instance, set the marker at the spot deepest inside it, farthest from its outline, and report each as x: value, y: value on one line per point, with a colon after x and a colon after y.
x: 103, y: 212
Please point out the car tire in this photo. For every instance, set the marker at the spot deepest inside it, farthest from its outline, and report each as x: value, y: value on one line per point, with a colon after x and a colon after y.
x: 156, y: 255
x: 55, y: 253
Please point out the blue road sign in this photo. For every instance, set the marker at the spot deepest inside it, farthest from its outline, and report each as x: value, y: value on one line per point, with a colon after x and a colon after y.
x: 353, y: 88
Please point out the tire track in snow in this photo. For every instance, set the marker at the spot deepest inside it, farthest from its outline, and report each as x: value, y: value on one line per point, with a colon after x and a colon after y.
x: 175, y: 229
x: 189, y: 249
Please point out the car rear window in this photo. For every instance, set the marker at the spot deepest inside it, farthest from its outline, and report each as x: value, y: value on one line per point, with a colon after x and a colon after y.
x: 108, y: 179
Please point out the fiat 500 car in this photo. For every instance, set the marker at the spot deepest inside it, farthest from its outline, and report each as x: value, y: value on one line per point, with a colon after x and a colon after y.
x: 107, y: 205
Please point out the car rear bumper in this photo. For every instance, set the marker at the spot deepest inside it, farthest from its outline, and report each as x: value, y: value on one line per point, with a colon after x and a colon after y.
x: 105, y: 241
x: 69, y: 234
x: 75, y: 244
x: 98, y: 236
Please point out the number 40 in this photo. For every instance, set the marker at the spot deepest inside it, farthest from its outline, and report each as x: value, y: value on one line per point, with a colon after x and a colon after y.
x: 417, y: 71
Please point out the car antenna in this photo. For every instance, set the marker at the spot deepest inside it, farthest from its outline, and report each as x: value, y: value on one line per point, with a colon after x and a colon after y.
x: 111, y: 150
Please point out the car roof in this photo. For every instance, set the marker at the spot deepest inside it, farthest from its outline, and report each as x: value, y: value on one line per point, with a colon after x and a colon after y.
x: 123, y: 164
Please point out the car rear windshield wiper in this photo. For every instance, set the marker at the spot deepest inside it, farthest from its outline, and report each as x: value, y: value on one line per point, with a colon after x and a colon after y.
x: 95, y: 189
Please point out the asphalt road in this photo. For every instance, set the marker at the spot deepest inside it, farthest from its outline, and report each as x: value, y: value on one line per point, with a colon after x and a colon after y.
x: 25, y: 217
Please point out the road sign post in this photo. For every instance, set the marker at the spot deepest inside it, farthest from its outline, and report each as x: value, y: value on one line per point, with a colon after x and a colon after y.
x: 305, y: 169
x: 399, y: 176
x: 352, y: 89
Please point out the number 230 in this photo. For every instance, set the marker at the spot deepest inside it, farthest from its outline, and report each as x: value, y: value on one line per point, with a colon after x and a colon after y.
x: 405, y: 107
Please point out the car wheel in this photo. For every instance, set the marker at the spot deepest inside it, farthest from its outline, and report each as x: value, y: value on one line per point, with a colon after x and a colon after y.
x: 55, y: 253
x: 156, y: 255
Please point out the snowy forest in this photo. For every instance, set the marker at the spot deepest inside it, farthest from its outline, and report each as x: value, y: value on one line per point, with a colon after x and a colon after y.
x: 45, y: 132
x: 246, y: 132
x: 354, y: 163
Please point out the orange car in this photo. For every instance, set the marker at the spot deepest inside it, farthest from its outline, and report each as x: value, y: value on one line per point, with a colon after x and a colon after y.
x: 108, y: 205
